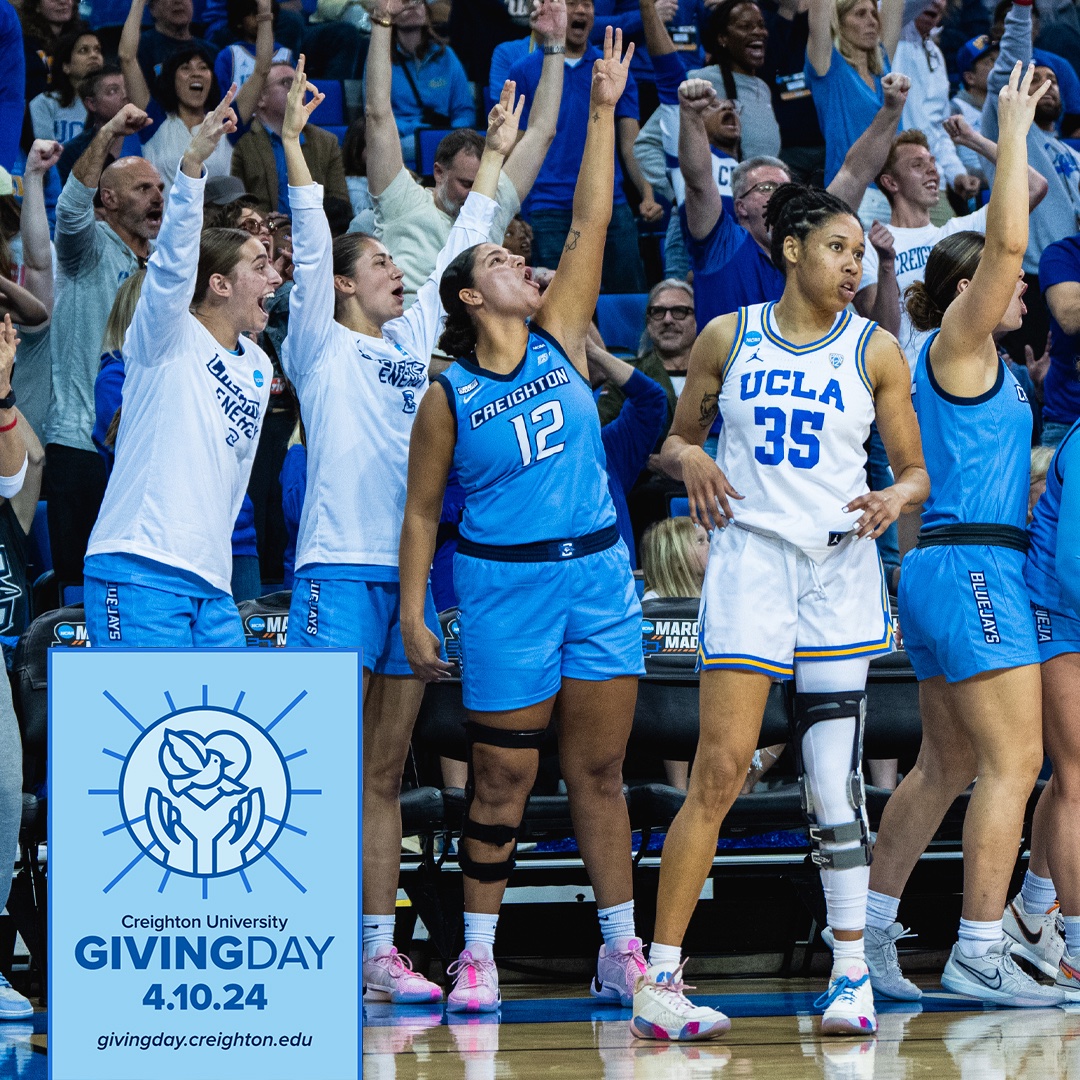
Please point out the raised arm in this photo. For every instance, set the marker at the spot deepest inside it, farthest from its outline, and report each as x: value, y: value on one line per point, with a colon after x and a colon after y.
x: 866, y: 158
x: 628, y: 130
x: 34, y: 222
x: 570, y: 300
x: 128, y: 52
x: 962, y: 363
x: 384, y: 159
x: 891, y: 14
x: 13, y: 456
x: 819, y: 46
x: 703, y: 203
x: 523, y: 164
x: 682, y: 456
x: 251, y: 91
x: 431, y: 454
x: 130, y: 120
x: 963, y: 134
x: 657, y: 39
x: 25, y: 502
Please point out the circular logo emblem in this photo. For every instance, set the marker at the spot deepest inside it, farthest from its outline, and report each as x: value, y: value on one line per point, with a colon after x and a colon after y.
x: 65, y: 631
x: 647, y: 627
x: 753, y: 338
x: 256, y: 624
x: 204, y: 791
x: 258, y: 378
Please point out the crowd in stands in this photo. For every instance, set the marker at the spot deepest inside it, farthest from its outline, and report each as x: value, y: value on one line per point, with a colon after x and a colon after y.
x: 893, y: 106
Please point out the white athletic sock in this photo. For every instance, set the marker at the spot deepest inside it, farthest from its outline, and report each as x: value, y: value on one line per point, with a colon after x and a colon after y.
x: 664, y: 957
x: 978, y: 938
x: 617, y: 923
x: 480, y: 930
x: 1072, y: 934
x: 881, y: 910
x: 1038, y: 893
x: 378, y: 930
x: 844, y: 952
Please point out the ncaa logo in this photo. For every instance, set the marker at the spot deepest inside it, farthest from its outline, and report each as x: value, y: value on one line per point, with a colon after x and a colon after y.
x: 257, y: 624
x: 648, y: 627
x: 65, y: 632
x: 835, y: 359
x: 753, y: 338
x: 258, y: 377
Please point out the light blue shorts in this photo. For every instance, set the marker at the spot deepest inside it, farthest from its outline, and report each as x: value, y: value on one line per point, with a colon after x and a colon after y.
x: 122, y: 615
x: 527, y: 626
x: 965, y: 609
x: 338, y: 613
x: 1056, y: 632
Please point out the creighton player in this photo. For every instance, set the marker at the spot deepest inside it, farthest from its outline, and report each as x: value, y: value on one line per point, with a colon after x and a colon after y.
x: 964, y: 605
x: 793, y: 586
x: 360, y: 369
x: 547, y: 598
x: 159, y: 564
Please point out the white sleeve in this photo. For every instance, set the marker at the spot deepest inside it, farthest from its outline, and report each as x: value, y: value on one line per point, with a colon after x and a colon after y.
x: 669, y: 137
x: 417, y: 331
x: 869, y: 267
x: 10, y: 486
x: 311, y: 301
x: 170, y: 274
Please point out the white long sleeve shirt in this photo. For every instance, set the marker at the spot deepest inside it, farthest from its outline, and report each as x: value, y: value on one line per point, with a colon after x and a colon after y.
x: 192, y: 413
x: 359, y: 394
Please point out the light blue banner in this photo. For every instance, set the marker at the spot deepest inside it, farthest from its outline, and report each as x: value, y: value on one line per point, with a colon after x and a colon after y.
x: 204, y: 877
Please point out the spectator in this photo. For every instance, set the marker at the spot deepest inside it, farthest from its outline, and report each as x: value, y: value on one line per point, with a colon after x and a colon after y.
x: 59, y: 113
x: 171, y: 31
x: 1068, y: 123
x: 236, y: 63
x: 32, y: 378
x: 429, y: 87
x: 973, y: 64
x: 730, y: 251
x: 293, y: 487
x: 908, y: 180
x: 1059, y: 277
x: 1059, y: 28
x: 259, y: 158
x: 664, y: 353
x: 518, y: 238
x: 183, y: 88
x: 354, y: 161
x: 93, y: 257
x: 918, y: 57
x: 802, y: 146
x: 413, y: 223
x: 478, y: 26
x: 847, y: 54
x: 1052, y: 158
x: 12, y: 86
x: 103, y: 96
x: 549, y: 206
x: 508, y: 53
x: 44, y: 23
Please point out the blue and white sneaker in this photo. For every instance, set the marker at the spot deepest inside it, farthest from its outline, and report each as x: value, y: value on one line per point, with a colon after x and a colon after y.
x: 849, y: 1001
x: 13, y: 1006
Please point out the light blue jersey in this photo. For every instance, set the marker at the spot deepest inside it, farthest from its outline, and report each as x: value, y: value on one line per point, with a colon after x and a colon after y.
x: 528, y: 453
x: 977, y: 450
x: 1040, y: 571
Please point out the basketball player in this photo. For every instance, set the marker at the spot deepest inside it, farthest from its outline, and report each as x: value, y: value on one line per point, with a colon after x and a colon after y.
x: 360, y: 369
x: 793, y: 586
x: 963, y: 601
x: 547, y: 599
x: 159, y: 562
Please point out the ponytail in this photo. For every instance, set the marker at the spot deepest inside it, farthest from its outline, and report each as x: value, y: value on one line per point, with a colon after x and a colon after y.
x: 459, y: 335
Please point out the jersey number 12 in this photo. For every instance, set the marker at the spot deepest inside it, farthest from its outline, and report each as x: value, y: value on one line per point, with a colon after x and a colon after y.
x: 538, y: 437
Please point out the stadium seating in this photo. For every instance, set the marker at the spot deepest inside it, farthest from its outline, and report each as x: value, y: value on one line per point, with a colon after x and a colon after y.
x: 620, y: 318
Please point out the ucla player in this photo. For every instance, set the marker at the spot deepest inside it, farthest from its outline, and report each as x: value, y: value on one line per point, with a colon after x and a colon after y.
x: 547, y: 599
x: 360, y: 369
x: 793, y: 586
x: 159, y: 563
x: 963, y: 602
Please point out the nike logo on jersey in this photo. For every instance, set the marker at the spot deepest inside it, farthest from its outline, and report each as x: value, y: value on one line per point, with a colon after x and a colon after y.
x: 1033, y: 939
x: 468, y: 391
x: 993, y: 984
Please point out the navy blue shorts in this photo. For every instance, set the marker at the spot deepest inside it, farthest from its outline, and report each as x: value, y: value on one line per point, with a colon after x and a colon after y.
x: 965, y: 609
x: 526, y: 626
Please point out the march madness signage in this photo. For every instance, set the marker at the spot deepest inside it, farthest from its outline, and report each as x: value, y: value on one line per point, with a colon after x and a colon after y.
x: 204, y: 878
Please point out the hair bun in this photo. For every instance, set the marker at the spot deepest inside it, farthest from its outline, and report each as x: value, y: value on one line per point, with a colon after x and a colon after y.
x: 924, y: 313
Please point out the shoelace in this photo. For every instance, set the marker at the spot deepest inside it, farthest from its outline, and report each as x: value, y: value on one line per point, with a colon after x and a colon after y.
x: 843, y: 988
x: 466, y: 961
x: 397, y: 964
x: 675, y: 986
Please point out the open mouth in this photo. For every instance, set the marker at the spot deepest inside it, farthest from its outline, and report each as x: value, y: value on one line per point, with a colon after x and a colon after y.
x: 399, y: 292
x: 264, y: 302
x: 579, y: 25
x: 153, y: 217
x: 848, y: 289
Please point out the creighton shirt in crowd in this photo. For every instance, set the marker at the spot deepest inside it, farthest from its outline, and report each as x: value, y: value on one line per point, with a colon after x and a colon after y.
x: 189, y: 429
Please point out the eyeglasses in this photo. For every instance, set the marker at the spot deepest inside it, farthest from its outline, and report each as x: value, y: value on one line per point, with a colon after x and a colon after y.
x: 678, y: 313
x: 766, y: 187
x: 254, y: 225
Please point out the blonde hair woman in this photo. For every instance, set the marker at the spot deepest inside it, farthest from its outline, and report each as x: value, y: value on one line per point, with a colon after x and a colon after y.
x: 673, y: 556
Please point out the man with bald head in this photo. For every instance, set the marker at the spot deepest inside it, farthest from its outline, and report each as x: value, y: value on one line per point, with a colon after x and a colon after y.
x: 93, y: 256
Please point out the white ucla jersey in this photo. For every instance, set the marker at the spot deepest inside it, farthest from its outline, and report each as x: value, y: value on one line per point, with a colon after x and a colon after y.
x: 796, y: 420
x: 359, y: 394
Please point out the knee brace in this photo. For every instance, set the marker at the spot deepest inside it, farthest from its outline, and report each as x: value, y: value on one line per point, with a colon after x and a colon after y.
x: 495, y: 835
x: 811, y: 709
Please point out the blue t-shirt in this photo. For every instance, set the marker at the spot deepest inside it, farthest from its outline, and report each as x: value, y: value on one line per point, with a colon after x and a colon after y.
x: 1060, y: 262
x: 503, y: 59
x: 966, y: 441
x: 685, y: 30
x: 1051, y: 585
x: 293, y: 488
x: 845, y: 105
x: 730, y: 270
x: 554, y: 187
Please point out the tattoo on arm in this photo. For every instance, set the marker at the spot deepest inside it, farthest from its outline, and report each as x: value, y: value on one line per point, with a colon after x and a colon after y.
x: 710, y: 406
x: 595, y: 115
x: 572, y: 239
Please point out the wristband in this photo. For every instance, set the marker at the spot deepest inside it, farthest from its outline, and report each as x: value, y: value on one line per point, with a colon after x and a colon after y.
x: 553, y: 50
x: 265, y: 17
x: 8, y: 427
x: 385, y: 23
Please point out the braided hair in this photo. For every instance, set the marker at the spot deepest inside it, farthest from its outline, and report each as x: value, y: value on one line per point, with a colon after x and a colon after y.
x: 459, y: 334
x: 797, y: 210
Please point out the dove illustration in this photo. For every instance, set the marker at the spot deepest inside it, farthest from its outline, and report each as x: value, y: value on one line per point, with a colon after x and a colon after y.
x: 189, y: 763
